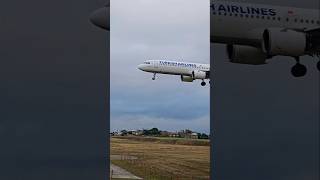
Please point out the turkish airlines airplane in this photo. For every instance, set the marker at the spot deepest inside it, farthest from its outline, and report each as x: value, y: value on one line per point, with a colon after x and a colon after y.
x: 188, y: 71
x: 254, y: 33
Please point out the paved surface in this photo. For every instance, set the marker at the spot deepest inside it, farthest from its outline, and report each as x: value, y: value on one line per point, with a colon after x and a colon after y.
x: 122, y: 157
x: 119, y: 173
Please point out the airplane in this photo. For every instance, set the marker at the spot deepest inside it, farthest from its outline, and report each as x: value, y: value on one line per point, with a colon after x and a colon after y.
x: 255, y: 33
x: 187, y: 71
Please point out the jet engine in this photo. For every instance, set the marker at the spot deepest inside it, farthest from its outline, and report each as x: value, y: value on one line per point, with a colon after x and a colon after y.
x: 101, y: 17
x: 199, y: 74
x: 186, y: 78
x: 285, y: 42
x: 246, y: 55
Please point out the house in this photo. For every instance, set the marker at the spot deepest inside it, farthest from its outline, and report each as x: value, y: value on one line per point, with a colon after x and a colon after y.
x: 194, y: 135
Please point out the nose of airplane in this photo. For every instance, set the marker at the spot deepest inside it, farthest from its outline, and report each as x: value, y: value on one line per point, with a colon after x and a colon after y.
x: 101, y: 18
x: 142, y: 67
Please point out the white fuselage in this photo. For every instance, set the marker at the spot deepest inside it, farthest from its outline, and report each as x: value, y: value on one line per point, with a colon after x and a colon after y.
x: 173, y: 67
x: 253, y: 33
x: 243, y: 23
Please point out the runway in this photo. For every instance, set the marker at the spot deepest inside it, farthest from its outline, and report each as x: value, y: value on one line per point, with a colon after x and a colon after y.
x: 119, y: 173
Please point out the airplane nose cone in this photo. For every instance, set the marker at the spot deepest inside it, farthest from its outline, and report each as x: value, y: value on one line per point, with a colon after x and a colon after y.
x: 140, y: 66
x: 143, y: 67
x: 101, y: 18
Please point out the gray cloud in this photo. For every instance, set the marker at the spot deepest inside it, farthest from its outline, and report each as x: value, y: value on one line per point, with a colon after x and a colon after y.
x: 157, y: 29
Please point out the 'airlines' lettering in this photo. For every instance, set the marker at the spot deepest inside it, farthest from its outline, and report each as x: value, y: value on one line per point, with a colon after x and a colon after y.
x: 243, y: 10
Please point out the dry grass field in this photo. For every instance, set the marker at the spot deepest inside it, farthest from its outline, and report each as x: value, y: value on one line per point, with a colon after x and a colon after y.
x: 162, y: 159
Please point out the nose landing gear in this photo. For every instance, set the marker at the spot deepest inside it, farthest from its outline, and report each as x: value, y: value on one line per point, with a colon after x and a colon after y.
x: 318, y: 65
x: 299, y: 70
x: 154, y: 76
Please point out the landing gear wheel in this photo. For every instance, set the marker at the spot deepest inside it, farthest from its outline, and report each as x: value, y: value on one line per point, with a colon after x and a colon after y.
x: 318, y: 65
x: 299, y: 70
x: 154, y: 76
x: 203, y: 83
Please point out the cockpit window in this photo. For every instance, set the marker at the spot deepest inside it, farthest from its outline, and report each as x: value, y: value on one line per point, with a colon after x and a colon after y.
x: 147, y: 62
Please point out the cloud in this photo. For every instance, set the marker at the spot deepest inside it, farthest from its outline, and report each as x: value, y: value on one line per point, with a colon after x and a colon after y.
x: 140, y: 31
x: 179, y: 107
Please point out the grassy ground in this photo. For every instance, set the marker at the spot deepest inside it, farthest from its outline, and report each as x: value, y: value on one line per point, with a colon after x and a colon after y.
x: 168, y: 140
x: 162, y: 160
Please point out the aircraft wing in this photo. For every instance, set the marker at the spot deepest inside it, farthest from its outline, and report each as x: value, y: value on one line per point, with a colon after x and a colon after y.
x: 316, y: 30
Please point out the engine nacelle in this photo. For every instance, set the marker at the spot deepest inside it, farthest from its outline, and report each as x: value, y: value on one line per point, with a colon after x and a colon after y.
x: 285, y: 42
x: 199, y: 74
x: 246, y: 55
x: 186, y: 78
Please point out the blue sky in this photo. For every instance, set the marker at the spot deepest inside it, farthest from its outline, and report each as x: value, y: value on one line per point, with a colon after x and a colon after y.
x: 157, y: 29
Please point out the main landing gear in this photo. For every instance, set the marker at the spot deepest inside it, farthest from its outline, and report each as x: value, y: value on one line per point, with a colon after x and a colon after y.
x: 154, y: 76
x: 203, y: 83
x: 298, y: 70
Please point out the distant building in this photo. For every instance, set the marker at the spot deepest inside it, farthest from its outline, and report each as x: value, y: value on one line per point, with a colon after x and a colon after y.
x: 188, y: 134
x: 138, y: 132
x: 164, y: 134
x: 155, y: 132
x: 135, y: 132
x: 194, y: 135
x: 175, y: 135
